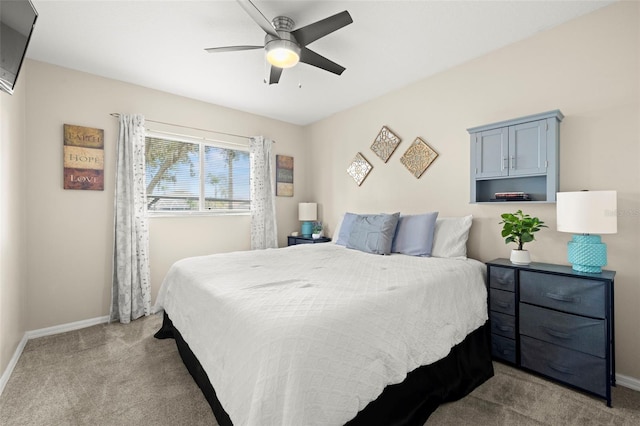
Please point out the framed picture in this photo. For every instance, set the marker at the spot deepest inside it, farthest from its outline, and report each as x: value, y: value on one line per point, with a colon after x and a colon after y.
x: 284, y: 176
x: 83, y: 158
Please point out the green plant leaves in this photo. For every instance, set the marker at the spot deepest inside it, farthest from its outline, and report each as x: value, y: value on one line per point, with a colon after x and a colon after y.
x: 519, y: 228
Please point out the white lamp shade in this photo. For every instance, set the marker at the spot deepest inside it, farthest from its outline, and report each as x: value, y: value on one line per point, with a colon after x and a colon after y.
x: 587, y: 212
x: 307, y: 211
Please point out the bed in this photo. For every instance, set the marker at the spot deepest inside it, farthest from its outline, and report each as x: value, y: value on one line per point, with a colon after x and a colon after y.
x: 321, y: 334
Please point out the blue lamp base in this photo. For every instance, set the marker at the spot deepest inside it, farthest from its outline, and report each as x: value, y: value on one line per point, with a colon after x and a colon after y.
x: 587, y: 253
x: 307, y: 229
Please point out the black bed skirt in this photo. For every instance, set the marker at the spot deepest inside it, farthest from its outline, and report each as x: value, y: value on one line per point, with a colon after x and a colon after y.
x: 409, y: 403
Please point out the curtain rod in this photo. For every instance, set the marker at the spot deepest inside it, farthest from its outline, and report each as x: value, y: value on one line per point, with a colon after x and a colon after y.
x: 115, y: 114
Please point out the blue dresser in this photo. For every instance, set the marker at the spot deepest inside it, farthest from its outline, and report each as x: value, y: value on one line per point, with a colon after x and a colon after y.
x: 554, y: 321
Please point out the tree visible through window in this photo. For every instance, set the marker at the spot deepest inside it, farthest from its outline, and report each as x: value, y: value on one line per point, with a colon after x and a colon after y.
x: 194, y: 176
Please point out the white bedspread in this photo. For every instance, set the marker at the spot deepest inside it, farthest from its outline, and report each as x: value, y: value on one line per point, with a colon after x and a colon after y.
x: 310, y: 334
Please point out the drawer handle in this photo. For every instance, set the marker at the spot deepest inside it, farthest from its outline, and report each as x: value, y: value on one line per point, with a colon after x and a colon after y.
x: 560, y: 368
x: 562, y: 297
x: 556, y: 333
x: 503, y: 304
x: 504, y: 328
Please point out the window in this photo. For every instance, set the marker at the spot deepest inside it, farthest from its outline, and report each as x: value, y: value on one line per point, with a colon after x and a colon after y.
x: 191, y: 176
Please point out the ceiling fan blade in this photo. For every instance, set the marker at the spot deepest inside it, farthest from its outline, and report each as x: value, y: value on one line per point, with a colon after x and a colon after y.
x: 310, y: 57
x: 274, y: 75
x: 231, y: 48
x: 258, y: 17
x: 310, y: 33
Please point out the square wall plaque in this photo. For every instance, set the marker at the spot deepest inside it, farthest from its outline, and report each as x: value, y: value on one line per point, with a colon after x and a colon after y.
x: 359, y: 168
x: 418, y: 157
x: 385, y: 143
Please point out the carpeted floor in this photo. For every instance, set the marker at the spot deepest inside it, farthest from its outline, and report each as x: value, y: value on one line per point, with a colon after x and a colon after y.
x: 120, y: 375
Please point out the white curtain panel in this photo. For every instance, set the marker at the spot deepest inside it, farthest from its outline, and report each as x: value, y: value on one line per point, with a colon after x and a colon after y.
x: 264, y: 232
x: 131, y: 290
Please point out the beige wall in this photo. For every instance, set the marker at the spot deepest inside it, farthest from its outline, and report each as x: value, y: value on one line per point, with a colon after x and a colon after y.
x: 13, y: 277
x: 69, y: 233
x: 588, y: 68
x: 56, y: 244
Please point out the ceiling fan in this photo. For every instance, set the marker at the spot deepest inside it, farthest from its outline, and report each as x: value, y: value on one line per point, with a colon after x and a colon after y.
x: 285, y: 47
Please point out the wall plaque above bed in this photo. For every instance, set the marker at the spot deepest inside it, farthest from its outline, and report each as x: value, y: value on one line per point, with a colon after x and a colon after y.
x: 385, y: 143
x: 418, y: 157
x: 359, y: 168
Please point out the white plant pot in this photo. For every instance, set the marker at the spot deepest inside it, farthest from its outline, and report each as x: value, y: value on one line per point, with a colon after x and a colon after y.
x: 316, y: 236
x: 520, y: 257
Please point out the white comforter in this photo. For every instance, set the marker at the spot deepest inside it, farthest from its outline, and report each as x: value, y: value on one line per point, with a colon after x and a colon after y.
x: 310, y: 334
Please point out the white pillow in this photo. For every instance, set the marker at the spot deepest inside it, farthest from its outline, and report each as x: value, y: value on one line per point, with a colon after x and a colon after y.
x: 336, y: 232
x: 451, y: 235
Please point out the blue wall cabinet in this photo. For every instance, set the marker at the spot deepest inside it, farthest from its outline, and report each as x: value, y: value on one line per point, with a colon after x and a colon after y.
x: 519, y: 155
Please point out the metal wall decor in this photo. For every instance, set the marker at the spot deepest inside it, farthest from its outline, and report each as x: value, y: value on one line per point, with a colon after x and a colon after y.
x: 418, y: 157
x: 385, y: 143
x: 359, y: 168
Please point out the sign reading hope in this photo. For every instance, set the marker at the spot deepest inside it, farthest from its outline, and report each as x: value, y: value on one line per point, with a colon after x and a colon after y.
x: 83, y: 158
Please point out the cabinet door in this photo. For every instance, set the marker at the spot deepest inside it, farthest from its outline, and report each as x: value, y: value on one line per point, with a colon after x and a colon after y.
x: 528, y: 149
x: 491, y: 153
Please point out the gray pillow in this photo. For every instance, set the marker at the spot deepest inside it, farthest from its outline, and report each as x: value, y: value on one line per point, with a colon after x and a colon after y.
x: 373, y: 233
x: 345, y: 228
x: 414, y: 234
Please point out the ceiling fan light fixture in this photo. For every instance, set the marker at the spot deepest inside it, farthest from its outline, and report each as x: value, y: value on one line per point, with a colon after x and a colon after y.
x: 283, y: 53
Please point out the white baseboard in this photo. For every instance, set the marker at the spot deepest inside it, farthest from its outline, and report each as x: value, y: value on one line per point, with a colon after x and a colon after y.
x: 57, y: 329
x: 628, y: 382
x: 48, y: 331
x: 12, y: 363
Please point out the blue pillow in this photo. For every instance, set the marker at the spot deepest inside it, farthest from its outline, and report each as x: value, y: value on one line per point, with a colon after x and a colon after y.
x: 345, y: 228
x: 414, y: 234
x: 373, y: 233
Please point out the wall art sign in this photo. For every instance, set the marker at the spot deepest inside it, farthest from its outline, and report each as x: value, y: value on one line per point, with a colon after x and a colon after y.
x: 284, y: 176
x: 359, y: 168
x: 83, y: 158
x: 418, y: 157
x: 385, y: 143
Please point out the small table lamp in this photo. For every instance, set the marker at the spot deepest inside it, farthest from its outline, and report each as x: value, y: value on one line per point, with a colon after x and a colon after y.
x: 584, y: 213
x: 307, y: 213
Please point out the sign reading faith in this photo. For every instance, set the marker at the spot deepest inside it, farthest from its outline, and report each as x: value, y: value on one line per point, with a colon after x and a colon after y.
x: 83, y: 158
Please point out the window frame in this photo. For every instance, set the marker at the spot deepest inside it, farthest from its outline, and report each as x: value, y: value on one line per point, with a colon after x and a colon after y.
x: 202, y: 142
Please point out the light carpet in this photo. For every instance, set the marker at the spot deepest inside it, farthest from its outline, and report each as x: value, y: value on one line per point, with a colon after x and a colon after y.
x: 119, y: 374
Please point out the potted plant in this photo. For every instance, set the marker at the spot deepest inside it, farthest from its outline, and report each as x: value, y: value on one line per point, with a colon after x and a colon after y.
x: 519, y: 228
x: 317, y: 230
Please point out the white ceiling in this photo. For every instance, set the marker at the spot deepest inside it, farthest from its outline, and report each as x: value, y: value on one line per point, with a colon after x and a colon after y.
x: 160, y: 44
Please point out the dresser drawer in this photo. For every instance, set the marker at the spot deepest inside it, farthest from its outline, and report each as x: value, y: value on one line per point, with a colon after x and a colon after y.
x: 570, y: 331
x: 575, y: 368
x: 569, y: 294
x: 503, y: 348
x: 502, y: 324
x: 502, y: 301
x: 502, y: 278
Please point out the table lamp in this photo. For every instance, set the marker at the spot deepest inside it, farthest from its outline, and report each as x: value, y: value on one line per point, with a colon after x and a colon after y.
x: 307, y: 213
x: 585, y: 213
